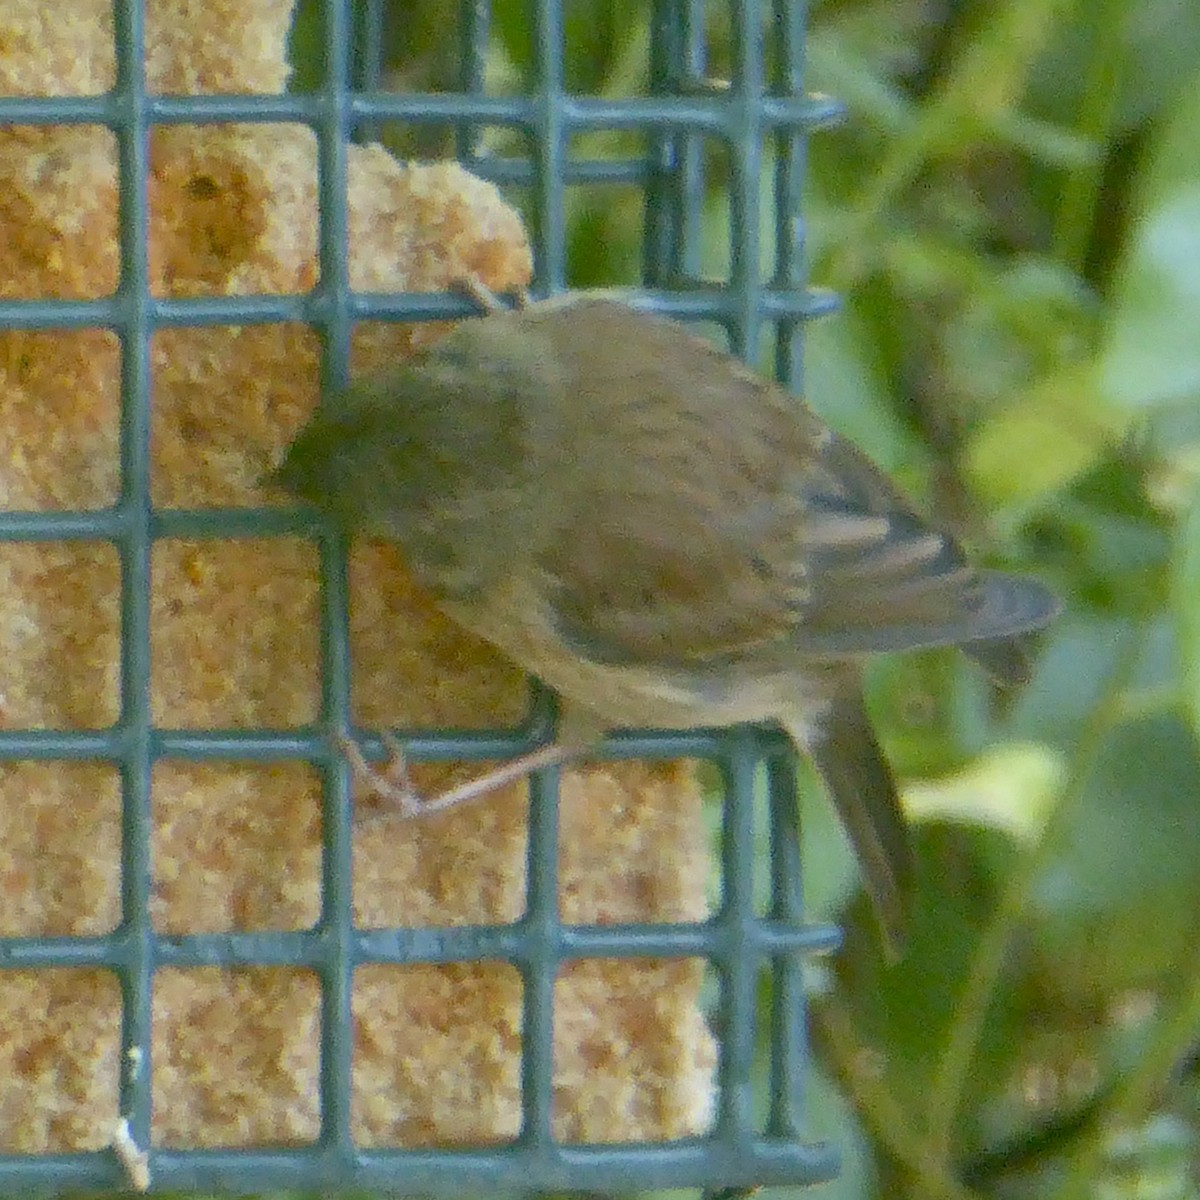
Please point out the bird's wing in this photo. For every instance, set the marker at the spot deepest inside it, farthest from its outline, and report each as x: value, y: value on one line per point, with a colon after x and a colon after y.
x: 881, y: 579
x: 828, y: 563
x: 664, y: 595
x: 676, y: 533
x: 703, y: 513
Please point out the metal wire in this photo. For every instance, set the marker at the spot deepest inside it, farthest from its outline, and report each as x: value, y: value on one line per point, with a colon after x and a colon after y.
x: 760, y: 113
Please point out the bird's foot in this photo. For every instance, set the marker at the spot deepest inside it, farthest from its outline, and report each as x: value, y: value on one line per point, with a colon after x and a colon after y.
x: 392, y: 784
x: 483, y: 295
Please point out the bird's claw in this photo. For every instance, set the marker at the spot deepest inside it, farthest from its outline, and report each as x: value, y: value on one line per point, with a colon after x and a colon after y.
x: 392, y: 783
x: 477, y: 290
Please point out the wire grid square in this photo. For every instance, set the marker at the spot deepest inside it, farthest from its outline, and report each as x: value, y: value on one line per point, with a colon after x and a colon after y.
x: 683, y: 109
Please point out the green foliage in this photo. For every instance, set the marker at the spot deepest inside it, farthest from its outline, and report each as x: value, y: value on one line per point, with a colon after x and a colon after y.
x: 1030, y: 245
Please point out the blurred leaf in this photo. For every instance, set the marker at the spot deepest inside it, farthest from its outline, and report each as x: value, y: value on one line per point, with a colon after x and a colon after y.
x: 932, y: 714
x: 931, y: 710
x: 1187, y: 607
x: 1174, y: 475
x: 897, y: 1015
x: 927, y: 265
x: 1078, y: 655
x: 1109, y: 539
x: 1158, y: 1159
x: 974, y: 96
x: 1116, y: 910
x: 1164, y: 46
x: 843, y: 383
x: 1151, y: 354
x: 991, y: 74
x: 1011, y: 787
x: 1053, y: 433
x: 306, y: 47
x: 1049, y: 144
x: 1020, y: 323
x: 595, y: 37
x: 1157, y: 47
x: 835, y: 66
x: 604, y: 247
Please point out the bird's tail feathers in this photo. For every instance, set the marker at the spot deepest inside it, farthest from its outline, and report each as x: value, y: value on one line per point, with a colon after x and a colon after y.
x: 860, y: 783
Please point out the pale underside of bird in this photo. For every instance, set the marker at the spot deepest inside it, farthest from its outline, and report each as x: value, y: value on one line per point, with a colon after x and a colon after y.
x: 663, y: 537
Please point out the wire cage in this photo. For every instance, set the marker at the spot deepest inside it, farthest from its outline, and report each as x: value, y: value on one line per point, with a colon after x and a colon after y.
x: 760, y: 117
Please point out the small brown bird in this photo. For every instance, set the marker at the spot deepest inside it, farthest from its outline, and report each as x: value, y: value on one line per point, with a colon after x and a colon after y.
x: 663, y: 537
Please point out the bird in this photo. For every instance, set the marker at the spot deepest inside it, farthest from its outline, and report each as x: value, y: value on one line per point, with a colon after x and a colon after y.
x: 661, y: 535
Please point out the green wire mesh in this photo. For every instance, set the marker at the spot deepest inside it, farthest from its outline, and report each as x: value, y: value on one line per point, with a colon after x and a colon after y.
x: 759, y: 112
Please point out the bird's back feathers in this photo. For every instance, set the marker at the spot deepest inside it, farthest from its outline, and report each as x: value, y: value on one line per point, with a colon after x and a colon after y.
x: 722, y: 521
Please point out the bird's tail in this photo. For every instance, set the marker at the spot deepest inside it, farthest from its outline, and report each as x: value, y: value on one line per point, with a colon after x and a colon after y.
x: 846, y: 754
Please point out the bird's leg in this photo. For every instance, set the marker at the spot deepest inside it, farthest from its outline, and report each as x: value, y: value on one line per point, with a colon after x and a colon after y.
x: 485, y: 297
x: 393, y: 784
